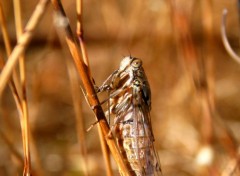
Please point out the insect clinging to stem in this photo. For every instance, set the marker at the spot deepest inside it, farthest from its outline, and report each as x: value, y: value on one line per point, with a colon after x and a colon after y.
x: 130, y: 104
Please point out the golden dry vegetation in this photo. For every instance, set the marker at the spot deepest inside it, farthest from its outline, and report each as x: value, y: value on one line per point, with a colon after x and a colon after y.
x: 194, y: 82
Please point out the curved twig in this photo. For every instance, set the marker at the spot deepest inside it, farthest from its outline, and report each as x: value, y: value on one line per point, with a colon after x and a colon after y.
x: 226, y: 44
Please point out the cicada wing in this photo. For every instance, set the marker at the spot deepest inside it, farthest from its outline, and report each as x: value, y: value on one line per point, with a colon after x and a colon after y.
x: 145, y: 151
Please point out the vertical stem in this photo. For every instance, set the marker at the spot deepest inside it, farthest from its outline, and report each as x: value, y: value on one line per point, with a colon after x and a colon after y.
x: 4, y: 31
x: 105, y: 151
x: 79, y: 17
x: 24, y: 120
x: 89, y: 87
x: 86, y: 61
x: 80, y: 34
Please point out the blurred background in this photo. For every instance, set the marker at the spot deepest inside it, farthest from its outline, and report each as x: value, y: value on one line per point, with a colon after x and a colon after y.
x: 194, y: 82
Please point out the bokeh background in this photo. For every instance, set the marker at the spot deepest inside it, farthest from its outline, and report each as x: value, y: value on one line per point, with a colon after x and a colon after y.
x: 194, y: 82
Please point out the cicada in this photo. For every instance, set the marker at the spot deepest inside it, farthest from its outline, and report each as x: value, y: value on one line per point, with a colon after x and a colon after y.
x: 130, y: 104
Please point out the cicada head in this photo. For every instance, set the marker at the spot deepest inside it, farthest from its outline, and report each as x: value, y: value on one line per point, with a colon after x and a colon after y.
x: 125, y: 63
x: 130, y: 62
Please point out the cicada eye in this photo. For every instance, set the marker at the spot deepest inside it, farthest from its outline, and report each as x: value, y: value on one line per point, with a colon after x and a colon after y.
x: 136, y: 63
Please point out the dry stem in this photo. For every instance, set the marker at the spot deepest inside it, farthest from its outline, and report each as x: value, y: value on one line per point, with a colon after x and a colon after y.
x: 24, y: 119
x: 105, y: 151
x: 86, y: 61
x: 88, y: 85
x: 22, y: 43
x: 14, y: 88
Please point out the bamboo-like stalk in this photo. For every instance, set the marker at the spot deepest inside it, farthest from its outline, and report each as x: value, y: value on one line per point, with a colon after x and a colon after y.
x: 24, y: 120
x: 89, y: 87
x: 22, y: 43
x: 79, y: 32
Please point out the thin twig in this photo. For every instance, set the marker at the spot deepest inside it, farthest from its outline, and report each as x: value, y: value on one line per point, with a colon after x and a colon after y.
x: 79, y: 30
x: 4, y: 31
x: 226, y: 44
x: 105, y: 151
x: 89, y: 87
x: 24, y: 120
x: 80, y: 34
x: 25, y: 124
x: 12, y: 84
x: 22, y: 43
x: 79, y: 17
x: 75, y: 91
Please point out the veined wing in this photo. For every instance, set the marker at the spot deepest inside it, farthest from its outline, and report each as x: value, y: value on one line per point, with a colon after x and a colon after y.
x: 145, y: 152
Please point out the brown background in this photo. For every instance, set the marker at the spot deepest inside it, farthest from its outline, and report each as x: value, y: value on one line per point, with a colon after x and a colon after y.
x: 113, y: 29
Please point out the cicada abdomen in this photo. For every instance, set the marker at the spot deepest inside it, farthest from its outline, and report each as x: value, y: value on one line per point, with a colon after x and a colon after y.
x: 130, y: 104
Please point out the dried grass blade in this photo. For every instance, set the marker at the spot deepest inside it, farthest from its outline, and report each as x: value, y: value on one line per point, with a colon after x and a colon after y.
x: 14, y: 83
x: 26, y: 132
x: 22, y: 44
x: 79, y: 32
x: 24, y: 120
